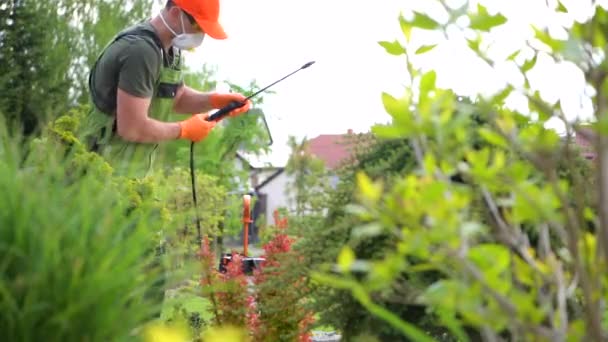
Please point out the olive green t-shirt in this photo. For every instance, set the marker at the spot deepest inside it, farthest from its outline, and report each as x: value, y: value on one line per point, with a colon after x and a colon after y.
x: 132, y: 63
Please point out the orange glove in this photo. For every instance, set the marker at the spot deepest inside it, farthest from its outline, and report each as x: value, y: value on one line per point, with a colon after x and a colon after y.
x: 219, y: 101
x: 196, y: 128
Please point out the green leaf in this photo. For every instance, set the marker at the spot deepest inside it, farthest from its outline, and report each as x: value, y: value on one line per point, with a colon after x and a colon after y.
x: 561, y: 8
x: 358, y: 211
x: 599, y: 39
x: 513, y: 55
x: 444, y: 293
x: 545, y: 38
x: 423, y: 21
x: 490, y: 258
x: 483, y: 21
x: 493, y: 137
x: 406, y: 28
x: 387, y: 131
x: 367, y: 230
x: 399, y: 110
x: 523, y: 271
x: 346, y: 258
x: 430, y: 163
x: 589, y: 214
x: 425, y: 48
x: 529, y: 64
x: 474, y: 44
x: 471, y: 229
x: 427, y: 83
x: 370, y: 190
x: 394, y: 107
x: 500, y: 98
x: 394, y: 47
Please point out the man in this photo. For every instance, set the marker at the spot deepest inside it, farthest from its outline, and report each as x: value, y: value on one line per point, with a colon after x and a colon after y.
x: 136, y: 86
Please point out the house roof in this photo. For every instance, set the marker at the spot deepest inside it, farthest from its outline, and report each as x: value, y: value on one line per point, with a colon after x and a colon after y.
x: 333, y: 149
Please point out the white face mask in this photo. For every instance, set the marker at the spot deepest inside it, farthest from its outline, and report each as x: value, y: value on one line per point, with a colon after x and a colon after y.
x: 184, y: 41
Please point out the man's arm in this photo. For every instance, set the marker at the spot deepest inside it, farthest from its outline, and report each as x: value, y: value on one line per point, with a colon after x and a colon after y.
x: 133, y: 123
x: 189, y: 101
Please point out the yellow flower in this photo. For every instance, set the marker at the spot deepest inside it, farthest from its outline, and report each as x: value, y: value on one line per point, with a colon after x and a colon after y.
x: 163, y: 333
x: 225, y: 334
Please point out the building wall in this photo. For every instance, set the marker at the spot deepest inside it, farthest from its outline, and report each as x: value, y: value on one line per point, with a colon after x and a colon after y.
x: 276, y: 196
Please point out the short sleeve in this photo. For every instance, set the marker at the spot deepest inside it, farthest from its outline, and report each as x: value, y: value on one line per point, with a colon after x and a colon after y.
x: 140, y: 67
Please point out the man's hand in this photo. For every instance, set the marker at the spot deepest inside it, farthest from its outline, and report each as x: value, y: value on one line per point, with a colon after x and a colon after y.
x: 196, y: 128
x: 219, y: 101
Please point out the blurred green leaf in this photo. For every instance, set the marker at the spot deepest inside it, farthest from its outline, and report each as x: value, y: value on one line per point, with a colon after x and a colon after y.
x: 502, y: 96
x: 444, y: 294
x: 576, y: 331
x: 529, y: 64
x: 393, y: 106
x: 346, y: 258
x: 393, y: 48
x: 430, y: 163
x: 490, y: 258
x: 406, y: 28
x: 367, y: 230
x: 387, y: 131
x: 423, y: 21
x: 369, y: 190
x: 545, y: 38
x: 513, y: 55
x: 425, y: 48
x: 474, y: 44
x: 399, y: 110
x: 483, y: 21
x: 493, y: 137
x: 427, y: 83
x: 358, y: 211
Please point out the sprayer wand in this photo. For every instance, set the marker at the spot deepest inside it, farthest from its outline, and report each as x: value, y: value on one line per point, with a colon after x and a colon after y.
x: 218, y: 115
x: 236, y: 104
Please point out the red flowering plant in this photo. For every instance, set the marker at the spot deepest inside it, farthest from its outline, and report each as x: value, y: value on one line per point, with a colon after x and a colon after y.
x: 273, y: 308
x: 227, y: 291
x: 280, y: 292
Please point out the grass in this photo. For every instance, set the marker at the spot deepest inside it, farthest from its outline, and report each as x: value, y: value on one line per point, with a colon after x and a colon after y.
x: 191, y: 303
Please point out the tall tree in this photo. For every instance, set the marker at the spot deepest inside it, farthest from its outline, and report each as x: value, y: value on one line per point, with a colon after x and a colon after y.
x: 47, y: 49
x: 309, y: 185
x: 33, y: 64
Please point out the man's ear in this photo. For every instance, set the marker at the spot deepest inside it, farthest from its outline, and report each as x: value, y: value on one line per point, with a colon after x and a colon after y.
x: 174, y: 13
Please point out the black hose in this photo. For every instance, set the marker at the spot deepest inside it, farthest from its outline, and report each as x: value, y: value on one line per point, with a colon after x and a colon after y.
x: 192, y: 178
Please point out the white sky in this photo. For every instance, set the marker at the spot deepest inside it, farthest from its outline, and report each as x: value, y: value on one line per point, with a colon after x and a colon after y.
x: 271, y: 38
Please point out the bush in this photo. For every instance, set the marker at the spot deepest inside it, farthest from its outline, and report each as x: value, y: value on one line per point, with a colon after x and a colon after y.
x: 281, y: 291
x: 509, y: 231
x: 77, y: 259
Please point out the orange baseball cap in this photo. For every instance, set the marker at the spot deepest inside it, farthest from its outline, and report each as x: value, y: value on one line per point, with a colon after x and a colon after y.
x: 206, y: 13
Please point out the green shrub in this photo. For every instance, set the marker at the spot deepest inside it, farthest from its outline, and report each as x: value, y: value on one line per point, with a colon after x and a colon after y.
x: 510, y: 226
x: 77, y: 261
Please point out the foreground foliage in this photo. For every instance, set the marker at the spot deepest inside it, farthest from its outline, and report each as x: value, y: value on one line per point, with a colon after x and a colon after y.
x: 75, y: 253
x: 508, y: 235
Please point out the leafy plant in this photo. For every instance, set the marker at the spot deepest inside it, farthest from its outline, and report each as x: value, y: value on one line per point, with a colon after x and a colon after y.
x: 75, y: 254
x: 507, y: 228
x: 280, y: 291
